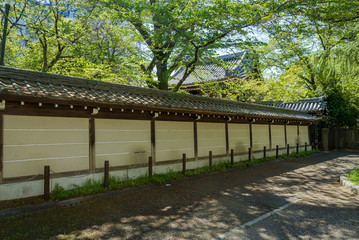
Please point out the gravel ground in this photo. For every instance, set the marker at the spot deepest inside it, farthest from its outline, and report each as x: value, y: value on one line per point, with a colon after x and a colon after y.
x: 204, y: 207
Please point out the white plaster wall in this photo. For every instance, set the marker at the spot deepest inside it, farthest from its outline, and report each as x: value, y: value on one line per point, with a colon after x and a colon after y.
x: 173, y: 139
x: 303, y: 135
x: 211, y: 137
x: 238, y: 136
x: 122, y: 142
x: 260, y: 133
x: 278, y: 136
x: 292, y: 135
x: 31, y: 142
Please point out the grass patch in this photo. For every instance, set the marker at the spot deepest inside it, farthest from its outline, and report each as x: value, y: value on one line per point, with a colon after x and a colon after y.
x: 91, y: 187
x: 354, y: 176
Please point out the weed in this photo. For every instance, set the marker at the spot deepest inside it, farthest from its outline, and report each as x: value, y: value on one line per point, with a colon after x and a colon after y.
x: 354, y: 176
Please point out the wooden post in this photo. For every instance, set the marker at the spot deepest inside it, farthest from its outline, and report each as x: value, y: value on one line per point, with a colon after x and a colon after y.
x: 227, y: 139
x: 46, y: 183
x: 285, y: 135
x: 287, y: 149
x: 306, y: 147
x: 250, y: 135
x: 153, y: 141
x: 249, y: 154
x: 1, y: 147
x: 195, y: 136
x: 210, y: 159
x: 106, y: 181
x: 150, y: 167
x: 270, y: 136
x: 313, y: 145
x: 276, y: 152
x: 297, y: 148
x: 232, y: 156
x: 264, y: 152
x: 183, y: 163
x: 92, y: 154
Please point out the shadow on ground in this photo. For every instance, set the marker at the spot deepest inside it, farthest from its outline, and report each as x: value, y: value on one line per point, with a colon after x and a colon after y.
x: 200, y: 207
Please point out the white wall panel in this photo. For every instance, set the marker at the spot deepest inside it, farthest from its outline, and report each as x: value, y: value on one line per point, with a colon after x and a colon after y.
x: 239, y: 139
x: 260, y: 136
x: 30, y: 143
x: 292, y: 135
x: 122, y: 142
x: 278, y: 136
x: 303, y: 135
x: 173, y: 139
x: 211, y: 137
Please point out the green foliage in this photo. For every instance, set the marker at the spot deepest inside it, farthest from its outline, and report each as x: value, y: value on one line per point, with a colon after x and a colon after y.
x: 313, y: 51
x: 91, y: 187
x: 182, y: 33
x: 354, y: 176
x: 287, y: 87
x: 342, y: 111
x: 246, y: 90
x: 92, y: 45
x: 88, y: 188
x: 309, y: 44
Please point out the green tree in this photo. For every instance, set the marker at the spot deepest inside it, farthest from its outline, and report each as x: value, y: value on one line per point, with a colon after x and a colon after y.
x: 182, y: 33
x: 91, y: 44
x: 342, y: 108
x: 315, y: 45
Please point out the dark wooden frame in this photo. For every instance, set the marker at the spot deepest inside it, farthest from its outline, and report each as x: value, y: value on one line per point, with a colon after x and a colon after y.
x: 195, y: 138
x: 153, y: 141
x: 92, y: 143
x: 227, y: 138
x: 63, y: 109
x: 285, y: 135
x: 270, y: 135
x: 1, y: 147
x: 250, y: 136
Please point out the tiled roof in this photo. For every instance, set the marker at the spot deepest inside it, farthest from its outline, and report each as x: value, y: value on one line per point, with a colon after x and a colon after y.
x: 22, y: 84
x: 237, y: 65
x: 308, y: 105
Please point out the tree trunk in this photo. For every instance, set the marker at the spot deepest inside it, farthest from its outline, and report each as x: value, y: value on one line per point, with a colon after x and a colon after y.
x: 162, y: 75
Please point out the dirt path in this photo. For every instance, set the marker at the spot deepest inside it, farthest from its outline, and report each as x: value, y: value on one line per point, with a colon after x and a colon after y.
x: 204, y: 207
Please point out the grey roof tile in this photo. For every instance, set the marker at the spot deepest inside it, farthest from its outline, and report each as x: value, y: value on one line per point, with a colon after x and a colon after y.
x: 40, y: 86
x: 308, y: 105
x: 237, y: 65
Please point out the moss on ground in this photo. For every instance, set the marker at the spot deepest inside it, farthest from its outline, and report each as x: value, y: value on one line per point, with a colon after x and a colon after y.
x: 354, y: 176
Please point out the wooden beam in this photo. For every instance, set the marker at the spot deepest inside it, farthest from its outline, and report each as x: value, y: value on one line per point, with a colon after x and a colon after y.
x: 195, y: 136
x: 92, y: 143
x: 153, y: 141
x: 1, y: 147
x: 83, y: 109
x: 298, y: 134
x: 227, y: 139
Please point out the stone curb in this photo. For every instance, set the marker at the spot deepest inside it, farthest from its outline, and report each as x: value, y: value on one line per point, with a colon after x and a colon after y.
x: 13, y: 212
x: 345, y: 182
